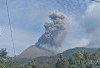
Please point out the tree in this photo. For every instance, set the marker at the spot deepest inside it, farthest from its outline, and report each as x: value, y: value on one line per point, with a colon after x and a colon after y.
x: 45, y: 66
x: 81, y: 58
x: 31, y: 64
x: 3, y: 53
x: 70, y: 60
x: 61, y: 62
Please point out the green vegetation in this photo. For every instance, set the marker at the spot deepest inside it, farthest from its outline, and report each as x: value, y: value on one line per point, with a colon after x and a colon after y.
x: 79, y: 59
x: 5, y: 61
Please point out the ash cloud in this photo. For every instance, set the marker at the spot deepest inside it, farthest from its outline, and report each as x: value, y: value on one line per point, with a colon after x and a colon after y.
x: 92, y: 24
x: 55, y: 30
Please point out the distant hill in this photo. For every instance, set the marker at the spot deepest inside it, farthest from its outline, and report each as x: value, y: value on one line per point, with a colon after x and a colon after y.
x: 67, y: 53
x: 52, y: 59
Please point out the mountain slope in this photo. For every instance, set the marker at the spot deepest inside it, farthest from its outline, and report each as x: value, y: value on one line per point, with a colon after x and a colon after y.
x: 33, y: 52
x: 53, y: 59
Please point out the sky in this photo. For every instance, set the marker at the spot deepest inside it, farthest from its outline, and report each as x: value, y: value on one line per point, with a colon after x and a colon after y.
x: 27, y: 20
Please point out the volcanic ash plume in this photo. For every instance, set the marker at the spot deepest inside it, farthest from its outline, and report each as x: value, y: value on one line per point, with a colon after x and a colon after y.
x: 55, y: 30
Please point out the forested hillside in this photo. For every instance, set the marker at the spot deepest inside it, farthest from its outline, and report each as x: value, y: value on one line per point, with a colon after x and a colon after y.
x: 80, y: 58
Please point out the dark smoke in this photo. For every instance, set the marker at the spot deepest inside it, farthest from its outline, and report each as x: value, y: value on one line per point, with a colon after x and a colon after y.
x: 55, y: 30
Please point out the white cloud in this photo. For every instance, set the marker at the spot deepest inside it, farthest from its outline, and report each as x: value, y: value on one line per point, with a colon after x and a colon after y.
x: 0, y: 31
x: 82, y: 43
x: 74, y: 42
x: 92, y: 24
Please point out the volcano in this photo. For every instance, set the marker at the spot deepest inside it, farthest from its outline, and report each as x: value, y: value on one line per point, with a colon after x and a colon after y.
x: 55, y: 30
x: 33, y: 52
